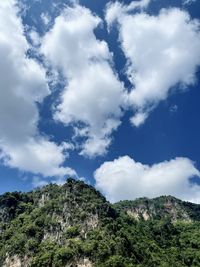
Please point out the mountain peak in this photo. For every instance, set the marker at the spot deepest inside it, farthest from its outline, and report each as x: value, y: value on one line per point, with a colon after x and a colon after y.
x: 74, y: 225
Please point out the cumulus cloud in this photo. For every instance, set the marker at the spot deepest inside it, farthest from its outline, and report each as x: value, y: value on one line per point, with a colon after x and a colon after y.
x: 23, y: 85
x: 93, y: 96
x: 124, y: 178
x: 162, y: 52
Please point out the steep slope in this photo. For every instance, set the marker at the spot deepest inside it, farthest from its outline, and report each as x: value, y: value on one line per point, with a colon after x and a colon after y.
x: 74, y: 225
x: 52, y: 216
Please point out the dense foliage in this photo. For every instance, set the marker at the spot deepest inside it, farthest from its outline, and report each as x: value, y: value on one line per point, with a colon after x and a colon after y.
x: 60, y: 225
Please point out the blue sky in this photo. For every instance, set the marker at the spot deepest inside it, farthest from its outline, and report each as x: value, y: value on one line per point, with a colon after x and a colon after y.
x: 103, y: 91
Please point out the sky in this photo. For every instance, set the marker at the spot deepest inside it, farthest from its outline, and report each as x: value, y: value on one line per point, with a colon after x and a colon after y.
x: 103, y: 91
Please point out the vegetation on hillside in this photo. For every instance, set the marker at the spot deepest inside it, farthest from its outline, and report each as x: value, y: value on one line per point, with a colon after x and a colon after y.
x: 58, y: 226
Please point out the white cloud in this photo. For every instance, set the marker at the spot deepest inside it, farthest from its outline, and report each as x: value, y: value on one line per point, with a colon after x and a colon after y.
x: 23, y: 84
x: 36, y: 155
x: 38, y: 182
x: 143, y: 4
x: 188, y: 2
x: 35, y: 38
x: 45, y: 17
x: 125, y: 178
x: 162, y: 52
x: 173, y: 108
x: 115, y: 10
x: 139, y: 119
x: 93, y: 95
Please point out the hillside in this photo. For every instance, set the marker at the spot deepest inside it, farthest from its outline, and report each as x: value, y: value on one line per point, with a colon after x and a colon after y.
x: 74, y: 225
x: 160, y: 208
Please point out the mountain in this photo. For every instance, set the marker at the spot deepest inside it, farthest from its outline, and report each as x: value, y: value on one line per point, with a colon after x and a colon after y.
x: 74, y: 225
x: 160, y: 208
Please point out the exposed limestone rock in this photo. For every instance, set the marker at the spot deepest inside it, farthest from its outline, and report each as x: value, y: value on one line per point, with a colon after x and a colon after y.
x: 15, y: 261
x: 157, y: 208
x: 139, y: 213
x: 85, y: 263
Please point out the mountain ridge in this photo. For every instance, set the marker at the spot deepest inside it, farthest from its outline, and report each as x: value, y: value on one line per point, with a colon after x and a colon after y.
x: 74, y: 225
x: 159, y: 207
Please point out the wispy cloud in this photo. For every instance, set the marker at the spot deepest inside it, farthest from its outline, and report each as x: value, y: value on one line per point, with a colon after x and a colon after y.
x: 188, y: 2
